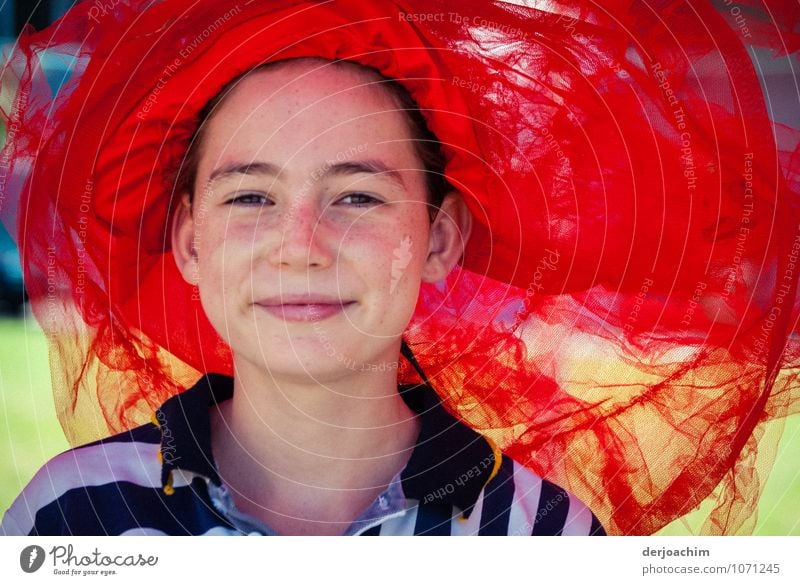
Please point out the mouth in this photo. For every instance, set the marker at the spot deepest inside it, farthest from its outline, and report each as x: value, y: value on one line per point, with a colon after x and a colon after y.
x: 305, y: 309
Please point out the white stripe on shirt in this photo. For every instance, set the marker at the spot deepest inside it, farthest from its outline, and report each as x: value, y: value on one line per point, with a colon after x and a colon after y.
x: 95, y: 465
x: 579, y: 519
x: 527, y: 489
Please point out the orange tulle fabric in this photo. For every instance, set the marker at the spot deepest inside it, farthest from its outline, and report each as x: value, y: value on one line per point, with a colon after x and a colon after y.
x: 625, y: 318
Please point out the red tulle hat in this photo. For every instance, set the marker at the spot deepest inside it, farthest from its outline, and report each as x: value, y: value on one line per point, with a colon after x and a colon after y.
x: 625, y: 317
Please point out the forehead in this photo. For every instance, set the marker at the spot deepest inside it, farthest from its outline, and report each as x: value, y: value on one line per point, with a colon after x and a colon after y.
x: 301, y: 103
x: 313, y: 77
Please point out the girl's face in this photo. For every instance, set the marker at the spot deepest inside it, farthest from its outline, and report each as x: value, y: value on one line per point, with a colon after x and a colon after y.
x: 309, y: 233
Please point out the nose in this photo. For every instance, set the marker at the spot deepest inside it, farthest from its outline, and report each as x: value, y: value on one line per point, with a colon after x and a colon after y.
x: 303, y: 241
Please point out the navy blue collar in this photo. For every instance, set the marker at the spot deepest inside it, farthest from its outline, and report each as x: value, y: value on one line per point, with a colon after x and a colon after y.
x: 450, y: 464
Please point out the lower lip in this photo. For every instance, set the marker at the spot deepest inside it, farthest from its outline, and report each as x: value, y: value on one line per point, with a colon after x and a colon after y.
x: 304, y: 313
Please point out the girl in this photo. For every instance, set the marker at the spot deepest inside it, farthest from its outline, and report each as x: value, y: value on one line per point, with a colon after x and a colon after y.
x: 316, y: 243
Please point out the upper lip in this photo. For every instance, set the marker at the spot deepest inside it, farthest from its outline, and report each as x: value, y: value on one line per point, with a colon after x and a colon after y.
x: 301, y: 299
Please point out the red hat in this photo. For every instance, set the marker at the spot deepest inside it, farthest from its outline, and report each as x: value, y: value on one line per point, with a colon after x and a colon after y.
x: 623, y: 318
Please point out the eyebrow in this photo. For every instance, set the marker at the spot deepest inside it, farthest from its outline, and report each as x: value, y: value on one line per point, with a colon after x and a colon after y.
x: 366, y: 166
x: 253, y: 168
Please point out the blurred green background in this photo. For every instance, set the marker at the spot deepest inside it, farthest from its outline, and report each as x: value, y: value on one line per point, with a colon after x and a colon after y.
x: 30, y: 435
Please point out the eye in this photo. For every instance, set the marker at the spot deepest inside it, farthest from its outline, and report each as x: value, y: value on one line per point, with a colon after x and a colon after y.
x: 359, y: 200
x: 248, y: 199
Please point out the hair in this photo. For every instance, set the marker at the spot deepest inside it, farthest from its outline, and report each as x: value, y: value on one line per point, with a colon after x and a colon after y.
x: 427, y: 146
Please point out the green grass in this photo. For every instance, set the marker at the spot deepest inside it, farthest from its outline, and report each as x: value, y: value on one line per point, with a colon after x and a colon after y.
x: 779, y: 507
x: 30, y: 435
x: 29, y: 430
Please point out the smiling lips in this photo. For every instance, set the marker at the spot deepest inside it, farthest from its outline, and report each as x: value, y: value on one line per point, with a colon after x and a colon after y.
x: 303, y: 308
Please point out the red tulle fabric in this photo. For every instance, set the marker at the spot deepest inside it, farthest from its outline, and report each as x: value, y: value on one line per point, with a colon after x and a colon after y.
x: 625, y: 317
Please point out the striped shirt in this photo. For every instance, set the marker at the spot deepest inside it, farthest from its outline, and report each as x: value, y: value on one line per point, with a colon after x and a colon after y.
x: 160, y: 479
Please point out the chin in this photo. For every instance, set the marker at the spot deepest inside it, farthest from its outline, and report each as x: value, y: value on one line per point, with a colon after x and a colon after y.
x: 295, y: 362
x: 317, y: 373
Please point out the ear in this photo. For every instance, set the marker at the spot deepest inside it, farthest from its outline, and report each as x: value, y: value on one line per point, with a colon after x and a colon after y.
x: 448, y: 237
x: 183, y: 248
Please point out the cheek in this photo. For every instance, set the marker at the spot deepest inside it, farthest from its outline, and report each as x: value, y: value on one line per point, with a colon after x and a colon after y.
x: 390, y: 261
x: 222, y: 251
x: 225, y: 236
x: 403, y: 238
x: 377, y: 252
x: 225, y: 229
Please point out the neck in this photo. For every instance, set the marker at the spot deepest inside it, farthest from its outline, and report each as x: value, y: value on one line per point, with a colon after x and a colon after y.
x: 334, y: 443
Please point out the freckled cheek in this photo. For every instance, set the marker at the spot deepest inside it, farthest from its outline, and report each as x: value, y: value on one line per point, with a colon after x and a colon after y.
x: 370, y: 250
x: 224, y: 254
x: 391, y: 262
x: 221, y: 233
